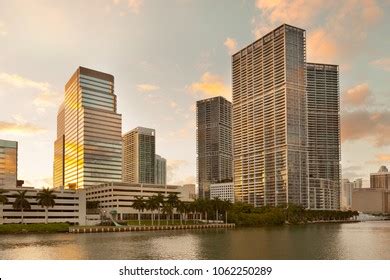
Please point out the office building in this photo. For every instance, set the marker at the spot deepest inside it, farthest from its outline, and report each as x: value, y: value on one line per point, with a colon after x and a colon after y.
x: 223, y: 191
x: 381, y: 179
x: 346, y: 191
x: 270, y: 119
x: 323, y: 104
x: 214, y: 143
x: 119, y: 197
x: 139, y: 154
x: 190, y: 190
x: 160, y: 170
x: 89, y: 143
x: 70, y: 207
x: 8, y: 163
x: 371, y: 200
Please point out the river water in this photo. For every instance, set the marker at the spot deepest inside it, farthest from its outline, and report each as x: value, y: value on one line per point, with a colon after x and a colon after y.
x: 365, y: 240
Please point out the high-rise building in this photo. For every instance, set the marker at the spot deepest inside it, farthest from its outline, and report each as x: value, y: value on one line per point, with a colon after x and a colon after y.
x: 346, y: 192
x: 381, y: 179
x: 270, y: 119
x: 323, y: 115
x: 90, y: 139
x: 160, y: 170
x: 139, y: 151
x: 214, y: 143
x: 8, y: 163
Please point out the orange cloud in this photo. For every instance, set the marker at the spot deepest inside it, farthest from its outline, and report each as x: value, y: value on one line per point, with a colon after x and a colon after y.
x: 211, y: 85
x: 147, y: 87
x: 21, y: 82
x: 3, y: 32
x: 383, y: 63
x: 357, y: 96
x: 231, y: 45
x: 19, y: 128
x: 365, y: 125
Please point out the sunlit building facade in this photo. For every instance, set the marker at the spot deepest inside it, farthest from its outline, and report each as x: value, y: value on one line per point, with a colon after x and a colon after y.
x: 323, y: 103
x: 92, y: 131
x: 270, y: 119
x: 214, y: 143
x: 381, y: 179
x: 8, y: 163
x: 59, y: 149
x: 139, y: 154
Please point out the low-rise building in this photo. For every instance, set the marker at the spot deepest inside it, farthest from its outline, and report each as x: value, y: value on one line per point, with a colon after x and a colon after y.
x: 70, y: 207
x: 369, y: 200
x: 118, y: 197
x: 223, y: 191
x: 191, y: 190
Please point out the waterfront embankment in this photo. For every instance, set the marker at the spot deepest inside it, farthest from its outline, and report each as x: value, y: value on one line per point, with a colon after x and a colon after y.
x: 97, y: 229
x: 34, y: 228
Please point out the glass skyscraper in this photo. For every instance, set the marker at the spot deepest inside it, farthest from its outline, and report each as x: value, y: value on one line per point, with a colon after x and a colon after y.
x: 90, y: 129
x: 160, y: 170
x: 8, y: 163
x: 270, y: 119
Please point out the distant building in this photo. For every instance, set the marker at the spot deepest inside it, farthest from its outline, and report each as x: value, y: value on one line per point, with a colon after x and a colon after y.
x: 214, y: 142
x: 223, y: 191
x: 8, y: 163
x: 160, y: 170
x: 119, y: 197
x: 70, y: 207
x: 139, y: 156
x: 347, y: 188
x: 371, y: 200
x: 381, y: 179
x: 323, y: 117
x: 190, y: 189
x: 88, y: 148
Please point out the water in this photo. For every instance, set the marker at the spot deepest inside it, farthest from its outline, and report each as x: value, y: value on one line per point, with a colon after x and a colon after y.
x: 366, y: 240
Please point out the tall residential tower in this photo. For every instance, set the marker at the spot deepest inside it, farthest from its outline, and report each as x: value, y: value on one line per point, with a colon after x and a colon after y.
x: 270, y: 119
x: 91, y: 133
x: 139, y: 150
x: 214, y: 143
x: 160, y: 170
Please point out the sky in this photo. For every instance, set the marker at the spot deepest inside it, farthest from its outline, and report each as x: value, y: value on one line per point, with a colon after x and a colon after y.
x: 166, y: 54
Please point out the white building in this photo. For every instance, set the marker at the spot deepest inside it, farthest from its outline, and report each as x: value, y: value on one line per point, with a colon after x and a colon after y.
x: 119, y: 197
x: 347, y: 188
x: 224, y: 191
x: 70, y: 207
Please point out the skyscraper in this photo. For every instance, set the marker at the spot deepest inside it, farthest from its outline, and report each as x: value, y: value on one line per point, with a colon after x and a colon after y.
x: 139, y: 150
x: 160, y: 170
x: 270, y: 119
x: 214, y: 143
x: 323, y: 135
x: 92, y: 143
x: 59, y: 150
x: 8, y: 163
x: 381, y: 179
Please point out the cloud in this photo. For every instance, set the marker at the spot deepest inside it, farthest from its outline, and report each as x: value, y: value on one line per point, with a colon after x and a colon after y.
x: 173, y: 167
x: 21, y: 82
x: 133, y: 5
x: 20, y: 128
x: 47, y: 99
x: 383, y: 63
x: 366, y: 125
x: 147, y: 87
x: 231, y: 45
x: 3, y: 31
x: 211, y: 85
x: 173, y: 104
x: 186, y: 180
x: 357, y: 96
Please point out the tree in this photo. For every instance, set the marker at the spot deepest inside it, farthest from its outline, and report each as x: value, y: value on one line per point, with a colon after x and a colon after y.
x: 173, y: 201
x: 160, y: 200
x: 226, y: 205
x: 21, y: 203
x: 140, y: 205
x: 46, y: 198
x: 3, y: 198
x: 152, y: 204
x: 167, y: 209
x: 182, y: 209
x: 216, y: 204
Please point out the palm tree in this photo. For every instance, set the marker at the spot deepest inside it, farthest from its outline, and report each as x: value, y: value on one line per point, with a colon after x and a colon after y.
x: 140, y: 205
x: 46, y: 198
x: 21, y: 203
x: 173, y: 201
x: 3, y: 198
x: 160, y: 200
x: 226, y: 205
x: 182, y: 209
x: 216, y: 203
x: 152, y: 204
x: 167, y: 209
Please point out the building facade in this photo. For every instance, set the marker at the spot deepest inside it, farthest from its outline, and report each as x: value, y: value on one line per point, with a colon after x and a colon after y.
x: 119, y: 197
x: 8, y: 163
x: 59, y: 150
x: 381, y: 179
x: 92, y: 143
x: 323, y: 103
x: 70, y: 207
x: 214, y: 143
x: 223, y: 191
x: 270, y: 119
x: 139, y: 153
x: 160, y: 170
x: 371, y: 201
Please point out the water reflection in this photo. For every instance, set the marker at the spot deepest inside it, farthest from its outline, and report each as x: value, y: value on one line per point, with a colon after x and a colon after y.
x: 367, y: 240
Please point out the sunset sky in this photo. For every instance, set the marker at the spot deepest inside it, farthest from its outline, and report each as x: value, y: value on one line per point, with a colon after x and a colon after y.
x: 165, y: 55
